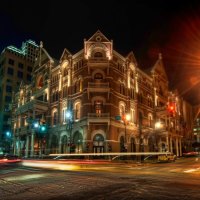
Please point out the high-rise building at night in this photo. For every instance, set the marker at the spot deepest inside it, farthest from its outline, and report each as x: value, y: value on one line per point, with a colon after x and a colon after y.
x: 16, y: 65
x: 97, y: 100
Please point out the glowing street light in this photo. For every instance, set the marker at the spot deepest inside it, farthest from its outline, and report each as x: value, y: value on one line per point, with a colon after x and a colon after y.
x: 126, y: 119
x: 69, y: 126
x: 157, y: 125
x: 36, y: 125
x: 8, y: 134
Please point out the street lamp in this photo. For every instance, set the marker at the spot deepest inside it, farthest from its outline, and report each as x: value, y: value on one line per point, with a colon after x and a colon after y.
x: 8, y: 141
x: 69, y: 117
x: 126, y: 119
x: 40, y: 129
x: 158, y: 126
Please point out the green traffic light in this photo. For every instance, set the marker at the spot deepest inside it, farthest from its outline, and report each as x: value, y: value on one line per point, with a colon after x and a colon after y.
x: 43, y: 128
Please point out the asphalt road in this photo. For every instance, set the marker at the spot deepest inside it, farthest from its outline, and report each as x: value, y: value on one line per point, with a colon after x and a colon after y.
x: 163, y: 181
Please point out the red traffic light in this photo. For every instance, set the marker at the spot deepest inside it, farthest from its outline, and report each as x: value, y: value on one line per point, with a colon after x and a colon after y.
x: 171, y: 108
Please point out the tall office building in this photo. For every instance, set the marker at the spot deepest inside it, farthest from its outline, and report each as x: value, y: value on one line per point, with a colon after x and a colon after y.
x: 15, y: 66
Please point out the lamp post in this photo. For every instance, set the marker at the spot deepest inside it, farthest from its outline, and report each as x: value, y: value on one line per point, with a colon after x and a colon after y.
x: 157, y: 127
x: 8, y: 141
x: 126, y: 120
x: 41, y: 129
x: 69, y: 117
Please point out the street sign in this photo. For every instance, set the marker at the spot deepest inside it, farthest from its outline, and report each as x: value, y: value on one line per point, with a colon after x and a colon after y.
x: 118, y: 117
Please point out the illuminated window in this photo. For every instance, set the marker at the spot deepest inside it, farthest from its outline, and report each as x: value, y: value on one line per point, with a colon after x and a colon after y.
x: 78, y: 111
x: 122, y: 89
x: 98, y: 55
x: 64, y: 115
x: 40, y: 82
x: 98, y: 76
x: 65, y: 72
x: 150, y: 120
x: 98, y: 107
x: 122, y: 110
x: 132, y: 115
x: 55, y: 117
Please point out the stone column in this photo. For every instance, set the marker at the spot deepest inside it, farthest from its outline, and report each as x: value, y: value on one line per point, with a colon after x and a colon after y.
x: 27, y: 146
x: 14, y: 145
x: 59, y: 143
x: 167, y: 140
x: 32, y: 142
x: 19, y: 146
x: 180, y: 146
x: 171, y: 148
x: 177, y: 149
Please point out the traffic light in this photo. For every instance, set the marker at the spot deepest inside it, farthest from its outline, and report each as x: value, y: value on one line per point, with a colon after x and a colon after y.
x: 43, y: 128
x: 171, y: 109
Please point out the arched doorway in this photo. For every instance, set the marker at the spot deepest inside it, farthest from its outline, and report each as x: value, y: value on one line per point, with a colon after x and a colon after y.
x: 54, y: 144
x: 173, y: 147
x: 64, y: 144
x: 133, y: 146
x: 122, y: 144
x: 98, y: 143
x: 151, y: 144
x: 78, y: 143
x: 163, y: 147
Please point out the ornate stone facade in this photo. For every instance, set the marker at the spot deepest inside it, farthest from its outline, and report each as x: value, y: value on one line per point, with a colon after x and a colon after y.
x: 99, y: 87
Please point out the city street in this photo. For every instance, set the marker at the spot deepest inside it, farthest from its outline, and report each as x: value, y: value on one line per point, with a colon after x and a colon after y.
x: 175, y: 180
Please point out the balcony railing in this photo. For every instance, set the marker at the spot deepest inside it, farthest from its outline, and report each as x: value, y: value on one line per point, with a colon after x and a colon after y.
x: 98, y: 115
x: 98, y: 85
x: 98, y: 118
x: 33, y: 104
x: 98, y: 60
x: 40, y: 92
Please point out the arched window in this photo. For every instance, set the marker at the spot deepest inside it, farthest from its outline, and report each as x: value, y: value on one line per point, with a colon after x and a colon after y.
x: 65, y: 73
x: 55, y: 117
x: 64, y: 144
x: 98, y: 107
x: 121, y: 109
x: 122, y: 89
x: 98, y: 143
x: 150, y: 120
x: 98, y: 55
x: 40, y: 82
x: 133, y: 146
x: 149, y: 99
x: 122, y: 144
x: 77, y: 111
x: 98, y: 76
x: 78, y: 142
x: 132, y: 115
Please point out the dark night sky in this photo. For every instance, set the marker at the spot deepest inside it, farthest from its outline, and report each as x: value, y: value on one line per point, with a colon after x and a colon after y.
x: 171, y: 27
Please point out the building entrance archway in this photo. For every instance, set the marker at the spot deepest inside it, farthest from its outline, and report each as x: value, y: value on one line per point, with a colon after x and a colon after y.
x: 77, y: 146
x: 64, y: 144
x: 98, y: 143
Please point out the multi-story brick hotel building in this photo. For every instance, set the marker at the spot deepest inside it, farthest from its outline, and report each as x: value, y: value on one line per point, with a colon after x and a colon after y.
x: 81, y: 103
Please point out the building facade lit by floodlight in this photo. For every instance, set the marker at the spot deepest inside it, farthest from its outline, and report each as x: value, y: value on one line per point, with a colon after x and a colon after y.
x: 98, y: 86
